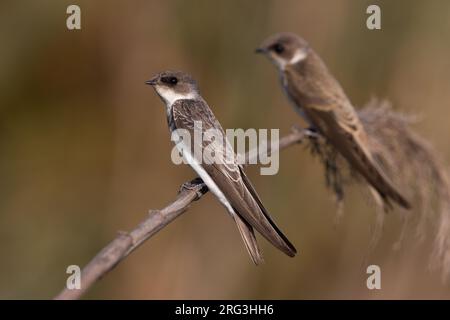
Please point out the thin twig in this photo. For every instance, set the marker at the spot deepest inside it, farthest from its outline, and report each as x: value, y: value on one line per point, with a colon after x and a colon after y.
x: 125, y: 243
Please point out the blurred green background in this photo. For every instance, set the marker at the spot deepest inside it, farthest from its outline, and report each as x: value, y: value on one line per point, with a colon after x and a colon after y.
x: 85, y: 150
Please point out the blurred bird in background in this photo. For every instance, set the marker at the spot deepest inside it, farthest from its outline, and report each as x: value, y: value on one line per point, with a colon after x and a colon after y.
x: 376, y: 143
x: 320, y: 100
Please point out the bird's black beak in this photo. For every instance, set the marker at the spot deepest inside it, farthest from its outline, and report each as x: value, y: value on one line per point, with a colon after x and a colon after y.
x: 259, y: 50
x: 152, y: 81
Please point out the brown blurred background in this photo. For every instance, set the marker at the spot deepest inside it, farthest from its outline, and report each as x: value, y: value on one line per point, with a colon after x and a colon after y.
x: 85, y: 150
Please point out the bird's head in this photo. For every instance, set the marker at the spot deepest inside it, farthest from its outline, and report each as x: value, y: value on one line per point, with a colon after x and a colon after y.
x: 284, y: 49
x: 174, y: 85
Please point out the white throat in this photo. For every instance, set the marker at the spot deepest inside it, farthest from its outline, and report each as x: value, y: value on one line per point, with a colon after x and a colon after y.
x: 298, y: 56
x: 170, y: 96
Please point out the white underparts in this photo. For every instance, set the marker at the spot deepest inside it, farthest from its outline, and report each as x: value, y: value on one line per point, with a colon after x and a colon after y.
x: 212, y: 186
x: 170, y: 96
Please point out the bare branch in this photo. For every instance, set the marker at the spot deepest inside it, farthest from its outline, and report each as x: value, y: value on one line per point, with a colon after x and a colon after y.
x: 125, y: 243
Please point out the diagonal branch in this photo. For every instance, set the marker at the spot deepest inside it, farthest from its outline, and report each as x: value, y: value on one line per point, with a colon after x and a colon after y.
x: 125, y: 243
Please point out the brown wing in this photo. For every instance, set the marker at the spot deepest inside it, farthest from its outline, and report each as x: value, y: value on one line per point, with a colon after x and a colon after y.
x: 263, y: 209
x: 342, y: 128
x: 327, y: 107
x: 228, y: 176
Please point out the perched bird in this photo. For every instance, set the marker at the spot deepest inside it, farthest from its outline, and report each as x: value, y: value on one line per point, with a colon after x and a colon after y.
x: 317, y: 96
x: 225, y: 179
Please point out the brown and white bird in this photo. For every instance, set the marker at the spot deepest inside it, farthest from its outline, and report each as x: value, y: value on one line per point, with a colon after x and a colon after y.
x: 226, y: 179
x: 318, y: 97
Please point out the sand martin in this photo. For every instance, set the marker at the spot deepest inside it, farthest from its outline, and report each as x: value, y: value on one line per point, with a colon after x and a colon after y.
x: 226, y: 180
x: 317, y: 96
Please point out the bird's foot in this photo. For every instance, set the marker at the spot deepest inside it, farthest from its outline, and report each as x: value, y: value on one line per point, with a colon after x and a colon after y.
x: 311, y: 133
x: 197, y: 185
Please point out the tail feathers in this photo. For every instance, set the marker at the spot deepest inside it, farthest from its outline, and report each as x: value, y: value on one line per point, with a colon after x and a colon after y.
x: 381, y: 202
x: 367, y: 166
x: 397, y: 197
x: 266, y: 225
x: 248, y: 235
x: 388, y: 192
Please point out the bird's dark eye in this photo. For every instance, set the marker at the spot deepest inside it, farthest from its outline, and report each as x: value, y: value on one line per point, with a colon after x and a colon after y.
x: 278, y: 48
x: 173, y: 80
x: 169, y: 80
